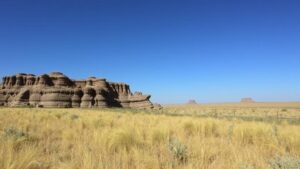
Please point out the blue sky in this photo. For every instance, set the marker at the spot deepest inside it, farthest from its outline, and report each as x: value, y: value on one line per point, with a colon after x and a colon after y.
x: 208, y: 50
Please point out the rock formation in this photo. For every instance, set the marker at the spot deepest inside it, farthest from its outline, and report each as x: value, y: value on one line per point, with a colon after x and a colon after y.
x: 57, y: 90
x: 247, y: 100
x: 157, y: 106
x: 192, y: 102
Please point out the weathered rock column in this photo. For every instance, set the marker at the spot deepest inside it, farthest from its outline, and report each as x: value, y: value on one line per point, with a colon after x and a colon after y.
x: 76, y: 98
x: 87, y: 99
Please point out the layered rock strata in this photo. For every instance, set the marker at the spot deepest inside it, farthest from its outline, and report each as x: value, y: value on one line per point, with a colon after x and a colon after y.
x: 57, y: 90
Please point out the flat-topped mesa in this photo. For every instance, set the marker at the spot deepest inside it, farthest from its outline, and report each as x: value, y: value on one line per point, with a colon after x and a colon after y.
x: 57, y: 90
x: 247, y: 100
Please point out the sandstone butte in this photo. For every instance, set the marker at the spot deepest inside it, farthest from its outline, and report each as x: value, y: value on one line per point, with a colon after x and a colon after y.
x: 247, y: 100
x: 57, y: 90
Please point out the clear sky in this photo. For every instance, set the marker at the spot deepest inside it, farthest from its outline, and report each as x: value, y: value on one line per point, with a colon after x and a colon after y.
x: 208, y: 50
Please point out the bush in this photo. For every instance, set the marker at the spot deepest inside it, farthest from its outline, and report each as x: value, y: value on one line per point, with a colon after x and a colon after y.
x: 284, y: 162
x: 178, y: 150
x: 14, y: 133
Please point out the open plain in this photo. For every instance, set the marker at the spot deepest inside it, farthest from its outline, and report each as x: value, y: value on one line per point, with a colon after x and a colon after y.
x: 210, y: 136
x: 83, y: 83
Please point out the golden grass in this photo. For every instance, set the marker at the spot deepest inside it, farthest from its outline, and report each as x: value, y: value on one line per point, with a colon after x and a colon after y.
x: 114, y: 139
x: 264, y: 110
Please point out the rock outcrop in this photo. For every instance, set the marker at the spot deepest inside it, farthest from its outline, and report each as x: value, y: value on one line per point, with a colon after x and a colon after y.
x: 57, y: 90
x: 247, y: 100
x: 157, y: 106
x: 192, y: 102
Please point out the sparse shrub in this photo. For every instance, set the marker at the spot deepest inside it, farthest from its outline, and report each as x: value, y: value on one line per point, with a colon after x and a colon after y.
x: 178, y: 150
x: 19, y: 138
x: 14, y: 133
x: 74, y: 117
x: 58, y: 116
x: 284, y: 162
x: 284, y: 110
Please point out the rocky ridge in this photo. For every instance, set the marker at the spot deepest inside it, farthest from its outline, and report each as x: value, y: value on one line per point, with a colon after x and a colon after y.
x: 57, y: 90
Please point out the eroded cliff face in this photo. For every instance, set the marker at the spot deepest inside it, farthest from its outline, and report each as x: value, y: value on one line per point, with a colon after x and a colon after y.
x: 57, y: 90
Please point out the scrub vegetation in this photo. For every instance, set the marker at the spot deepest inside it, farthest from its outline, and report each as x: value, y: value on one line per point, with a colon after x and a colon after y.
x: 34, y: 138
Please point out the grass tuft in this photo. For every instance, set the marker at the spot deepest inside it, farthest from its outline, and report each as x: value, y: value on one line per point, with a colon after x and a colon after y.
x: 284, y: 162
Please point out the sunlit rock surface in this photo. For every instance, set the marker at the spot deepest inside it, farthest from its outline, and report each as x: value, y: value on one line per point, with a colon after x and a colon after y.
x: 57, y: 90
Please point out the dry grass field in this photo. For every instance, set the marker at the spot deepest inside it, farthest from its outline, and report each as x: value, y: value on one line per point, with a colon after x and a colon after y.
x: 271, y: 112
x: 187, y: 137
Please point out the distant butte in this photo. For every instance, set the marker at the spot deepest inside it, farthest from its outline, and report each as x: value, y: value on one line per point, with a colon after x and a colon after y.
x: 192, y: 102
x: 57, y: 90
x: 247, y: 100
